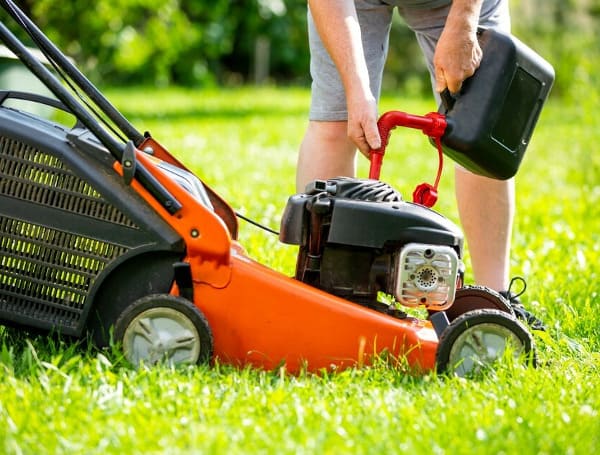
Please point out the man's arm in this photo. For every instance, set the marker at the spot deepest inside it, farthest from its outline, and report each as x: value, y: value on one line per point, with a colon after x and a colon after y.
x: 339, y: 30
x: 458, y: 54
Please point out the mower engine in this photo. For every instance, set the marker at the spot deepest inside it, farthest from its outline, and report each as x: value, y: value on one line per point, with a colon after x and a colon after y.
x: 357, y: 238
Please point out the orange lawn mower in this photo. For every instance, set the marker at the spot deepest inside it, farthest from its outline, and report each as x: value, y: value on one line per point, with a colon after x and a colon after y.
x: 105, y: 234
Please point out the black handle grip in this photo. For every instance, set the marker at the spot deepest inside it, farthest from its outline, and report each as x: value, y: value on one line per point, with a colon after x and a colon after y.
x: 34, y: 98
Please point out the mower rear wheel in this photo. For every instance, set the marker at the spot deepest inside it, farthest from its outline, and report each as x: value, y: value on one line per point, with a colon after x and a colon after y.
x: 162, y: 328
x: 478, y: 339
x: 469, y: 298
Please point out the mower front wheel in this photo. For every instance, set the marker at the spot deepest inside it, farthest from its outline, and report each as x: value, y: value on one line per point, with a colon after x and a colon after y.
x: 477, y: 339
x: 166, y: 329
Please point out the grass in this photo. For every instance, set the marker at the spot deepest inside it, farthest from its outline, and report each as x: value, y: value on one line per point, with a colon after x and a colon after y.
x: 57, y: 396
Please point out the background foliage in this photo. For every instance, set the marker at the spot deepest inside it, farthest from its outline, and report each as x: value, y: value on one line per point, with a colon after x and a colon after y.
x: 197, y: 43
x: 176, y: 41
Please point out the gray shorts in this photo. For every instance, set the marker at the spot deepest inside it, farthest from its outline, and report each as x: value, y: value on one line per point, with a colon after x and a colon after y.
x: 328, y: 102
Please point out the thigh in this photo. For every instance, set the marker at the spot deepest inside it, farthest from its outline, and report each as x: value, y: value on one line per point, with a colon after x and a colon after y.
x: 328, y: 101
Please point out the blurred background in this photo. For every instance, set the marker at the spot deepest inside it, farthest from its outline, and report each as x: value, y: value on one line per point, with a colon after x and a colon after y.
x: 239, y: 42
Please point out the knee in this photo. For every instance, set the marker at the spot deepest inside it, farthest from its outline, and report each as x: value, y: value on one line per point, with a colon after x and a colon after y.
x: 329, y: 132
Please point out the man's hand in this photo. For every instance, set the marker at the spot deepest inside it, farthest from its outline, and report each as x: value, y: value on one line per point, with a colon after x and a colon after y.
x: 458, y: 53
x: 362, y: 123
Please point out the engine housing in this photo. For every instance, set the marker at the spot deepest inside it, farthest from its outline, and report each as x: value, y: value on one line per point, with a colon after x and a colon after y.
x: 358, y: 238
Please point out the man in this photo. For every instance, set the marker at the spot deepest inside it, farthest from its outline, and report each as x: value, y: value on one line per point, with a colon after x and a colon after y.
x: 348, y: 43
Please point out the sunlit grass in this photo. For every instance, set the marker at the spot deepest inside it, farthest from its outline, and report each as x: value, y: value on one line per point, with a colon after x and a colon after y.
x: 61, y: 397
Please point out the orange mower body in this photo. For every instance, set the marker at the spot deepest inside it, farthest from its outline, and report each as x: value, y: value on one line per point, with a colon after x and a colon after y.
x: 263, y: 318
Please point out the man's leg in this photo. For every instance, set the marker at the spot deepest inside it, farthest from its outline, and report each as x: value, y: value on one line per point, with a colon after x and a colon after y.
x: 325, y: 152
x: 486, y: 210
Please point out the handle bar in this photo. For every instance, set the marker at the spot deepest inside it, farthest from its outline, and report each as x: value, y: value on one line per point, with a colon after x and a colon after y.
x: 433, y: 125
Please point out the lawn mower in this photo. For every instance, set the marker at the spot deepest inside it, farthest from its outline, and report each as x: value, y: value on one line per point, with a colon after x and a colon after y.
x: 106, y: 235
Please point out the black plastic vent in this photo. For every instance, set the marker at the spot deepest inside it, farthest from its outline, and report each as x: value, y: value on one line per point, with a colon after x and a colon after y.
x: 30, y: 175
x: 363, y: 190
x: 46, y: 274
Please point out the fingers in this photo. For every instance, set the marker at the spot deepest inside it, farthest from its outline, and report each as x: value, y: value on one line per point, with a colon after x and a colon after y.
x: 372, y: 136
x: 365, y: 137
x: 443, y: 81
x: 440, y: 80
x: 362, y: 124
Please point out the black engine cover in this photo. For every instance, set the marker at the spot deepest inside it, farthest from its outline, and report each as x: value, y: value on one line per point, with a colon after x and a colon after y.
x: 364, y: 213
x: 350, y: 231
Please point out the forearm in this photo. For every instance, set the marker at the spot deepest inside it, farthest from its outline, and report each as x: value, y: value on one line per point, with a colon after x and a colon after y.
x: 464, y: 15
x: 338, y: 27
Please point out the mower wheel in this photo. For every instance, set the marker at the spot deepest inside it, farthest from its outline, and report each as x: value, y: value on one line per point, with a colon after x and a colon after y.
x: 474, y: 341
x: 163, y: 328
x: 469, y: 298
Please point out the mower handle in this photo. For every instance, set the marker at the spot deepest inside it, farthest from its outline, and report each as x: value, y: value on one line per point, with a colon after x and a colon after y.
x: 33, y: 98
x: 432, y: 124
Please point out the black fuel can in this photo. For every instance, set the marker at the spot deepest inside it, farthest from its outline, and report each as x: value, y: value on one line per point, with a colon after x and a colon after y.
x: 491, y: 120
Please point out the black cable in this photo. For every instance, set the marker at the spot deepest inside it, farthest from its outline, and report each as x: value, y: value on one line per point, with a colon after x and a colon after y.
x: 257, y: 224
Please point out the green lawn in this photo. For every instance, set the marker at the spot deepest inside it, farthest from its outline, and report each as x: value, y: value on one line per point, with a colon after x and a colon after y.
x: 57, y: 397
